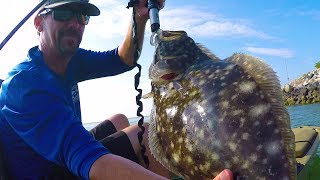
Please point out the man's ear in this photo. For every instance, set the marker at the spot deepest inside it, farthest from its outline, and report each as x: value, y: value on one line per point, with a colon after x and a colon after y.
x: 38, y: 23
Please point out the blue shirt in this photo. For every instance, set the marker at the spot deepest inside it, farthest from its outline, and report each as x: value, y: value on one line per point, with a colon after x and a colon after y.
x: 40, y: 119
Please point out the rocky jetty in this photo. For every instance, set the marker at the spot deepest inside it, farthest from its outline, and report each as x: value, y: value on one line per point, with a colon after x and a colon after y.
x: 304, y: 90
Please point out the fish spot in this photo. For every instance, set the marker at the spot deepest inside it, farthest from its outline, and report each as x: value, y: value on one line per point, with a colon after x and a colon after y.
x: 273, y: 147
x: 224, y: 104
x: 242, y: 120
x: 200, y: 109
x: 235, y: 159
x: 202, y: 82
x: 216, y: 144
x: 237, y: 112
x: 180, y: 140
x: 176, y: 157
x: 259, y: 147
x: 272, y: 171
x: 217, y: 71
x: 259, y: 110
x: 192, y: 172
x: 245, y: 136
x: 245, y: 165
x: 189, y: 147
x: 233, y: 146
x: 247, y: 87
x: 253, y: 157
x: 264, y: 161
x: 234, y: 97
x: 172, y: 111
x: 201, y: 134
x: 227, y: 164
x: 189, y: 160
x: 221, y: 93
x: 211, y: 76
x: 215, y: 156
x: 184, y: 130
x: 269, y: 123
x: 256, y: 123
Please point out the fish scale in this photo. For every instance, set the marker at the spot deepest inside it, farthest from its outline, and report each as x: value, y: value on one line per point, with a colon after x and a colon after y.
x: 217, y: 114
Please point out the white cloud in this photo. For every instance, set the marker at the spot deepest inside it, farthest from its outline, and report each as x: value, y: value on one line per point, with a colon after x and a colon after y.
x: 315, y: 14
x: 205, y: 24
x: 284, y: 53
x: 115, y: 18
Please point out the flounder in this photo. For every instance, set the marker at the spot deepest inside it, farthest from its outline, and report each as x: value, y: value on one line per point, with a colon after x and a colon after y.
x: 210, y: 114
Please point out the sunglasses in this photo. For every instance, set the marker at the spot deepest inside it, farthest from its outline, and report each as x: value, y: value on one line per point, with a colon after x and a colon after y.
x: 67, y: 15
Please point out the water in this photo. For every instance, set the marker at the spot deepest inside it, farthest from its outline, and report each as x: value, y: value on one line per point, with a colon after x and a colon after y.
x: 304, y: 115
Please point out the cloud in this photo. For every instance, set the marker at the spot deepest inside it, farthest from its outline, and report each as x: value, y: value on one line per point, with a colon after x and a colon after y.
x: 314, y: 14
x: 283, y: 53
x: 206, y: 24
x: 114, y: 20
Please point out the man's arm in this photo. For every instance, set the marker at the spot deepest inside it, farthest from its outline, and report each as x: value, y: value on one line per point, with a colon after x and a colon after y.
x: 126, y: 49
x: 111, y: 166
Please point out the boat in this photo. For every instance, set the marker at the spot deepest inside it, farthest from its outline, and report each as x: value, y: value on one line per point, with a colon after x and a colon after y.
x: 307, y: 141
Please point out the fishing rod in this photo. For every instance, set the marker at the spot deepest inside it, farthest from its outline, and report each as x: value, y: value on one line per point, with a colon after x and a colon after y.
x: 154, y: 15
x: 15, y: 29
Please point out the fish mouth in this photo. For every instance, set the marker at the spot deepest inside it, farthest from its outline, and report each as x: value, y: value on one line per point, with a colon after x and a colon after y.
x: 169, y: 76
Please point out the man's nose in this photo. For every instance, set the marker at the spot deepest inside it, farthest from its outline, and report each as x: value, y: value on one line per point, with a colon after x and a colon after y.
x: 74, y: 22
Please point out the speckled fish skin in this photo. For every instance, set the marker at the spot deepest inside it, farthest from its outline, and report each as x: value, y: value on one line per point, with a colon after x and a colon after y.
x: 212, y: 114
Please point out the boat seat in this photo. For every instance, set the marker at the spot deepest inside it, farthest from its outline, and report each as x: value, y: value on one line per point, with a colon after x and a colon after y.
x: 304, y: 137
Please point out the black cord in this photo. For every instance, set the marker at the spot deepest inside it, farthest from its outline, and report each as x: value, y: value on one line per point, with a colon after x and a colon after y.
x: 132, y: 4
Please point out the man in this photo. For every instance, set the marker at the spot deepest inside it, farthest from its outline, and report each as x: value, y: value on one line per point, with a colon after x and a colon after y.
x: 40, y: 119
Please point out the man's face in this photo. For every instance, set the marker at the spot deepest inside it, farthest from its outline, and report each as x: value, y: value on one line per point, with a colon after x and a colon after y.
x: 63, y: 36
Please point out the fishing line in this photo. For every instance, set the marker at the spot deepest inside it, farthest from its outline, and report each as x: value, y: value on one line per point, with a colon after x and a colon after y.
x: 137, y: 53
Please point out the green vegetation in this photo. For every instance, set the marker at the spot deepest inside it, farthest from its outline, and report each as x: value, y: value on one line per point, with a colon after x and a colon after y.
x: 317, y: 65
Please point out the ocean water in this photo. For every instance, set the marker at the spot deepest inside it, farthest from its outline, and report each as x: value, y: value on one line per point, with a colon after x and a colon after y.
x: 304, y: 115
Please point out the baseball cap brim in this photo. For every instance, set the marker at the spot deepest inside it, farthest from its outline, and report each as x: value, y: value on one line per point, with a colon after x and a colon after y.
x: 87, y: 7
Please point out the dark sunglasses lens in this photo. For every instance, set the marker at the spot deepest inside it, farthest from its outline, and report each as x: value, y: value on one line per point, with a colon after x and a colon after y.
x: 62, y: 15
x: 83, y: 19
x: 66, y: 15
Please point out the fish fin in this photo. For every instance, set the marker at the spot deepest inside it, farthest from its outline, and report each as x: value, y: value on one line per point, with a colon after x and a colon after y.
x: 207, y: 52
x: 148, y: 95
x: 269, y: 82
x: 155, y: 146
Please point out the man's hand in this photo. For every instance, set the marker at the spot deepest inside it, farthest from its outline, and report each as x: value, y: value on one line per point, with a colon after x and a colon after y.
x: 224, y: 175
x: 142, y: 8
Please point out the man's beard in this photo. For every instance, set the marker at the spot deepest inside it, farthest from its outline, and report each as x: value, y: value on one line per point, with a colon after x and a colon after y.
x: 68, y: 47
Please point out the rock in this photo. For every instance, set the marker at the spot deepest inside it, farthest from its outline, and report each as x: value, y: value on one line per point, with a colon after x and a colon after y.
x: 304, y: 90
x: 288, y: 88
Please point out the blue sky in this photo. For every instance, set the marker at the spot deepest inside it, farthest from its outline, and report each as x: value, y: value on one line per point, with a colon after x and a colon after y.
x: 283, y: 33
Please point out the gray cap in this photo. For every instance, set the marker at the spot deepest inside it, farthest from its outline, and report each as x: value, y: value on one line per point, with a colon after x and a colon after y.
x: 89, y: 8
